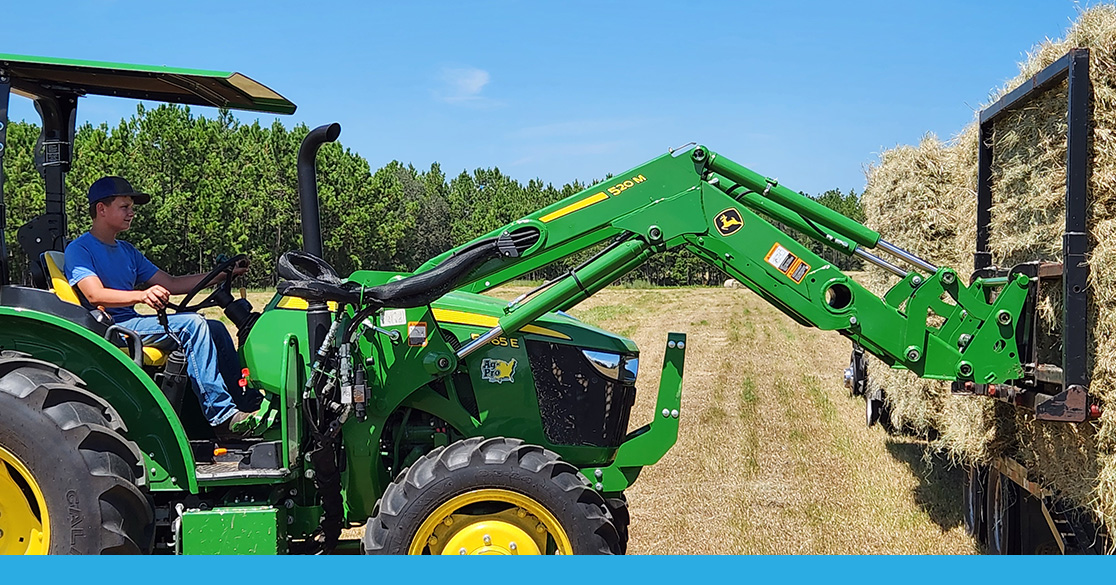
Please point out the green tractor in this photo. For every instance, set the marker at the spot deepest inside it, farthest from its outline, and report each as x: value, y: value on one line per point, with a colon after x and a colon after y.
x: 443, y: 420
x: 383, y: 405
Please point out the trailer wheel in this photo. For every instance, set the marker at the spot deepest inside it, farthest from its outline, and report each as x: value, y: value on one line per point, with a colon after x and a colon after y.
x: 1002, y: 514
x: 490, y: 496
x: 69, y: 481
x: 973, y: 502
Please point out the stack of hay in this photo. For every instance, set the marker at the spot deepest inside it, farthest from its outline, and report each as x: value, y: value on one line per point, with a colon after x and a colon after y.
x: 924, y: 199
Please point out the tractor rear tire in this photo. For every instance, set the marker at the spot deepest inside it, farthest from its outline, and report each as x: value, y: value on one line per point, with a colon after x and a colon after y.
x: 70, y: 483
x: 490, y: 496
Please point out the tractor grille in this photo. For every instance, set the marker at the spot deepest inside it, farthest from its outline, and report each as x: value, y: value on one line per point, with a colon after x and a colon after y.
x: 578, y: 405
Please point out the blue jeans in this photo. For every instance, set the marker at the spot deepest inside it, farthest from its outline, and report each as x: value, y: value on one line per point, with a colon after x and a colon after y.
x: 211, y: 361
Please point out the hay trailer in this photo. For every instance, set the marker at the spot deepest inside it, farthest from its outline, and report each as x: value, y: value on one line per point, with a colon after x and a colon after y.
x: 1008, y: 506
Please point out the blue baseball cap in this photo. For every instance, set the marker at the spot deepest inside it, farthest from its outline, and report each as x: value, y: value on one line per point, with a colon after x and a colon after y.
x: 110, y: 186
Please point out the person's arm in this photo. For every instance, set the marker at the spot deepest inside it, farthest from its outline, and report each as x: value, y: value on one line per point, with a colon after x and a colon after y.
x: 99, y: 296
x: 180, y: 285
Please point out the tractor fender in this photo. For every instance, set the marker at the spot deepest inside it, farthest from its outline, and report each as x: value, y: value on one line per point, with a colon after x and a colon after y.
x: 108, y: 372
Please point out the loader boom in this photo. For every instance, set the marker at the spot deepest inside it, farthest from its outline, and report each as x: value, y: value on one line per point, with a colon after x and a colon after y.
x: 930, y: 322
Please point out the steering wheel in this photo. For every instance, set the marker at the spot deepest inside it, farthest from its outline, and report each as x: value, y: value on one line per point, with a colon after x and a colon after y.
x: 220, y: 297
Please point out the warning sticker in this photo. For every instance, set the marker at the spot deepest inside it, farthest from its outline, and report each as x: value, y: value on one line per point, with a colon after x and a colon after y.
x: 416, y: 333
x: 799, y: 271
x: 393, y: 317
x: 787, y: 263
x: 781, y: 258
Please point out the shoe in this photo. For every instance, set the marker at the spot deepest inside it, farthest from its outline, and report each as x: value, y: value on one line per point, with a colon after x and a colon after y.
x: 238, y: 426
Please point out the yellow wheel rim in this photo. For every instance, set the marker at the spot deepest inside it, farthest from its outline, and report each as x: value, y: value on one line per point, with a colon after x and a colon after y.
x: 24, y: 525
x: 491, y: 522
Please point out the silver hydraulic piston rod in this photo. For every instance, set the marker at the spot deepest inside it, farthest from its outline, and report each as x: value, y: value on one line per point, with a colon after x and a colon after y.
x: 873, y: 259
x: 907, y: 256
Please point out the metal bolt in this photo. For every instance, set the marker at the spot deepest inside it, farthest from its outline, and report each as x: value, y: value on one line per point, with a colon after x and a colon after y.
x: 521, y: 512
x: 540, y: 528
x: 917, y: 280
x: 674, y: 413
x: 948, y: 277
x: 309, y: 474
x: 289, y: 504
x: 153, y: 470
x: 964, y: 340
x: 599, y: 486
x: 448, y: 521
x: 852, y: 319
x: 513, y: 547
x: 290, y: 520
x: 463, y: 551
x: 598, y: 473
x: 666, y: 412
x: 671, y: 344
x: 433, y: 540
x: 681, y: 345
x: 1003, y: 317
x: 443, y: 363
x: 487, y: 540
x: 966, y: 369
x: 913, y: 354
x: 655, y: 232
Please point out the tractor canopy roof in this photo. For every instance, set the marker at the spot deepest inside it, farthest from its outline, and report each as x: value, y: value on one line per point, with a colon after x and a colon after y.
x: 41, y: 77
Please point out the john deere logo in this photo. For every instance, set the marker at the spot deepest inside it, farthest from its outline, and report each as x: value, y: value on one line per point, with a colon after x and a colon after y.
x: 729, y: 221
x: 498, y: 371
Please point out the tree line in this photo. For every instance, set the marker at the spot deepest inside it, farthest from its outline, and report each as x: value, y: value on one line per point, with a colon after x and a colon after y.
x: 219, y: 185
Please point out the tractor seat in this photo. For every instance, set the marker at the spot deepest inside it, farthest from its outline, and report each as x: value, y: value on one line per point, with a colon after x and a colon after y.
x: 54, y: 260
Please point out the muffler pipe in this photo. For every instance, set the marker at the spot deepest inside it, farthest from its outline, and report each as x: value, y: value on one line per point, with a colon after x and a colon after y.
x: 308, y: 185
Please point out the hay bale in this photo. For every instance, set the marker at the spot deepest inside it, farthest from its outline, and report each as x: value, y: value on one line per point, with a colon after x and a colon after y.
x: 1028, y: 224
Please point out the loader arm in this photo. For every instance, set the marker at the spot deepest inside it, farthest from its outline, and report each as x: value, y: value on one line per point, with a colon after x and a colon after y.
x: 931, y: 322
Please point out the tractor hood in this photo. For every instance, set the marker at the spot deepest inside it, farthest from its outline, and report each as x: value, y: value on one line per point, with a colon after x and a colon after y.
x: 36, y: 77
x: 482, y: 312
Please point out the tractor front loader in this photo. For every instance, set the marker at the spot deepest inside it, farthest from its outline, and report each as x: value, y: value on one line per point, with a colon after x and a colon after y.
x: 444, y: 420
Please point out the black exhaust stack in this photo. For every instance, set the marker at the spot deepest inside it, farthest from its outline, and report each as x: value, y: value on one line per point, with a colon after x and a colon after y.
x: 308, y: 185
x: 317, y: 314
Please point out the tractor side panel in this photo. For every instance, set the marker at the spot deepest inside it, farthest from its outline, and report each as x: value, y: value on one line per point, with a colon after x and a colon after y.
x: 108, y: 372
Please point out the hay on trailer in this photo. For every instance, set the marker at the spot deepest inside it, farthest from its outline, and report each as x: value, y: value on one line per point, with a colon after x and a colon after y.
x: 1078, y: 460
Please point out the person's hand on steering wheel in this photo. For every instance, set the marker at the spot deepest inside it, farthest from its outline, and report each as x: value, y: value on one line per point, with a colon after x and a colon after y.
x: 222, y: 276
x: 239, y: 268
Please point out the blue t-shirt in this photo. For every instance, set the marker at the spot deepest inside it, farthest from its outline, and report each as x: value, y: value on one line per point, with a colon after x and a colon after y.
x: 120, y: 266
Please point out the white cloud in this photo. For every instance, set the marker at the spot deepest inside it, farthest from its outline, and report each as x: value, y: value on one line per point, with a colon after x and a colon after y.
x: 464, y: 85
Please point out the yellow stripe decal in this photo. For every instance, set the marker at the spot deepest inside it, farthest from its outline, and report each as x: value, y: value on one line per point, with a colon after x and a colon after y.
x: 574, y: 207
x: 298, y: 304
x: 476, y: 320
x: 442, y: 315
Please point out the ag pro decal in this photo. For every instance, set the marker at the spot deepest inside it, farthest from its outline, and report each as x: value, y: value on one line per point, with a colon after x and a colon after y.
x: 497, y: 371
x: 729, y: 221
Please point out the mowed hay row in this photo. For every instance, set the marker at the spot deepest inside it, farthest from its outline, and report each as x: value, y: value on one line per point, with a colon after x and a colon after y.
x: 1028, y: 222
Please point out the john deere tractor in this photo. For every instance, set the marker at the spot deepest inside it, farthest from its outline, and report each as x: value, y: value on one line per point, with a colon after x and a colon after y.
x: 443, y: 420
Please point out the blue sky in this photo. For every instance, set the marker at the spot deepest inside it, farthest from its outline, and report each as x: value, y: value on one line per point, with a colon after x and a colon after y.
x: 807, y: 92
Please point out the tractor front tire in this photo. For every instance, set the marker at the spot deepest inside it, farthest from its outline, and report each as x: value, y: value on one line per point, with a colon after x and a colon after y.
x: 621, y: 518
x: 69, y: 481
x: 491, y: 496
